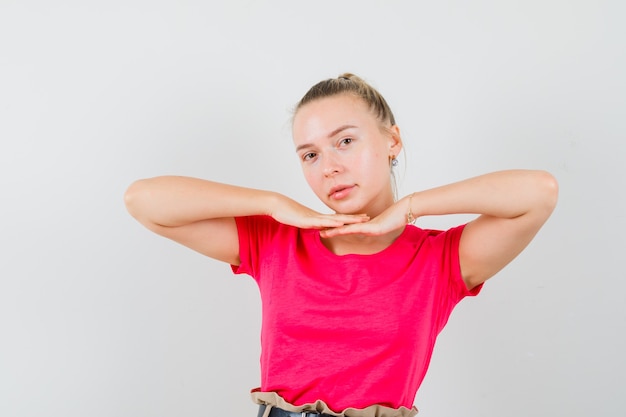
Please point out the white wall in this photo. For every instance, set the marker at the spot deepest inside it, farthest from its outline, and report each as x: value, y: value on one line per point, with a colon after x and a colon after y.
x: 100, y: 318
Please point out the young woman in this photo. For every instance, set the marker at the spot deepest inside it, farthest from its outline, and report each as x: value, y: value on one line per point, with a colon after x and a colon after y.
x: 352, y: 301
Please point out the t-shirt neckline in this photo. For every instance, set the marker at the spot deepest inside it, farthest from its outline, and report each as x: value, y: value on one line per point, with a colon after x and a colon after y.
x: 330, y: 254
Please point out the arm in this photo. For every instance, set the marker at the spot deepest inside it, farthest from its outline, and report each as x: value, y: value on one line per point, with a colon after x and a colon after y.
x: 512, y: 207
x: 200, y: 214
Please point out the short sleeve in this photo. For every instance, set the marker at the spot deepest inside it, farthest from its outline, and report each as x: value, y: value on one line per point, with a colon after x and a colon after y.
x: 452, y: 264
x: 255, y: 234
x: 450, y: 288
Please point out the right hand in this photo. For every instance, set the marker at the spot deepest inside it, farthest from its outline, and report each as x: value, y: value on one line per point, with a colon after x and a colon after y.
x: 290, y: 212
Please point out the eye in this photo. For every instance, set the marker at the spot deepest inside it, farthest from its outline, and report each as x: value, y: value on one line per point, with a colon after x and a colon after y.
x: 308, y: 156
x: 346, y: 141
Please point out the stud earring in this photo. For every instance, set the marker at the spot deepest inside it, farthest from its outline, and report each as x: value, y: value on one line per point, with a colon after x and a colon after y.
x: 394, y: 161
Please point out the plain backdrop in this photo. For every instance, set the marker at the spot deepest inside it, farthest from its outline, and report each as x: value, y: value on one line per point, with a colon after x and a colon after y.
x: 99, y: 317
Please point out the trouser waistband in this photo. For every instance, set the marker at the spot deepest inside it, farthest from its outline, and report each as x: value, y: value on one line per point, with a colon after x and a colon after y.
x: 279, y: 412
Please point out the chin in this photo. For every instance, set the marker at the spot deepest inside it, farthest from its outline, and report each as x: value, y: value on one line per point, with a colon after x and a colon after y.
x: 345, y: 208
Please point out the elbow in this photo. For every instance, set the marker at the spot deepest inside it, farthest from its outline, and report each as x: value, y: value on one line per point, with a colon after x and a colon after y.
x: 548, y: 186
x: 133, y: 196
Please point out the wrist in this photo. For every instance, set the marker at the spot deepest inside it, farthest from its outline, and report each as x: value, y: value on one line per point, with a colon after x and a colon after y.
x: 272, y: 202
x: 410, y: 214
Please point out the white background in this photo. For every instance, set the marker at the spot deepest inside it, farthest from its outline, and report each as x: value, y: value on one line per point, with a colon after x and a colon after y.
x: 98, y: 317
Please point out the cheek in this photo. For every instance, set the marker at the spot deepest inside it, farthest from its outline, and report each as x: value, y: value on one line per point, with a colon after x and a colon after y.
x: 376, y: 159
x: 311, y: 178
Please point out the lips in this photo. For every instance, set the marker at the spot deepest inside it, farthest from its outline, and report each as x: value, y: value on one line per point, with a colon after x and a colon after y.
x: 340, y: 191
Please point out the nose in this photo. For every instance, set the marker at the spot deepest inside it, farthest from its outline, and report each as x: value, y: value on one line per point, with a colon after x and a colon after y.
x: 331, y: 165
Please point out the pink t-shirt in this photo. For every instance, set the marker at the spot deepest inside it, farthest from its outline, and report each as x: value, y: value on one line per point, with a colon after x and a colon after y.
x: 351, y: 330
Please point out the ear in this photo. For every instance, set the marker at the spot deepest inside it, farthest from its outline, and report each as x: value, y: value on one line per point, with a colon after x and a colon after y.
x: 395, y: 141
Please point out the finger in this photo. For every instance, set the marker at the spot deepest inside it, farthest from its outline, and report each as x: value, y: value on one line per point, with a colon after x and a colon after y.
x: 357, y: 228
x: 351, y: 218
x: 334, y: 220
x: 330, y: 222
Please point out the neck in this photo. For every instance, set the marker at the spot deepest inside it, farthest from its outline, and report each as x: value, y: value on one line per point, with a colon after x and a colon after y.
x: 360, y: 244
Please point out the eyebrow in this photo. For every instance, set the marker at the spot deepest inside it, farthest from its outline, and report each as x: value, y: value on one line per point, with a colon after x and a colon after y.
x: 330, y: 135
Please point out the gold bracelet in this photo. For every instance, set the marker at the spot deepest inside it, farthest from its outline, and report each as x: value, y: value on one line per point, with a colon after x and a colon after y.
x: 410, y: 219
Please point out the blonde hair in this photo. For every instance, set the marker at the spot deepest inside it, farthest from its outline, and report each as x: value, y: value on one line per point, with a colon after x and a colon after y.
x: 350, y: 84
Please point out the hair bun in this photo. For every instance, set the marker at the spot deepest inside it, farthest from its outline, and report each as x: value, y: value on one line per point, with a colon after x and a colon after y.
x: 358, y: 87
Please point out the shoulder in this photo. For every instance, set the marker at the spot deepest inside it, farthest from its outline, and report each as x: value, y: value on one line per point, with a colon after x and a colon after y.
x: 266, y: 245
x: 262, y: 224
x: 438, y: 252
x: 432, y: 237
x: 265, y: 230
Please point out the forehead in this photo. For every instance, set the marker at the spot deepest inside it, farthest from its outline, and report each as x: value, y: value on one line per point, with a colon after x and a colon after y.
x: 322, y: 116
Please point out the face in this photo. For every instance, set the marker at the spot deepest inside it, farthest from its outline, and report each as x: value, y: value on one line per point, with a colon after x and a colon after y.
x: 345, y: 154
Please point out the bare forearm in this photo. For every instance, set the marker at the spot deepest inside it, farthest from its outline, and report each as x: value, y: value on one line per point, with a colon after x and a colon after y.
x: 175, y: 201
x: 504, y: 194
